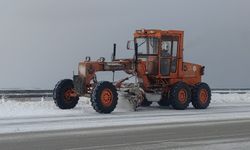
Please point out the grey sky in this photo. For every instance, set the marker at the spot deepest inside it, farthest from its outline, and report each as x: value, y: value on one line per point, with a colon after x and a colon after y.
x: 42, y: 41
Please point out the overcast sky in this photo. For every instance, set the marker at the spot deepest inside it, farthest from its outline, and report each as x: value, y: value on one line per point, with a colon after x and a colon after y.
x: 42, y: 41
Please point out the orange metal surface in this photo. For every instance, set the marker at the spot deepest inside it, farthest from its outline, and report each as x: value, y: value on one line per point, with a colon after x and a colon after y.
x: 106, y: 97
x: 203, y: 96
x: 186, y: 72
x: 182, y: 96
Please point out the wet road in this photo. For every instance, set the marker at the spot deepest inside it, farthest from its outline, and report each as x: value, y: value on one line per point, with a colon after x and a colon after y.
x: 224, y: 134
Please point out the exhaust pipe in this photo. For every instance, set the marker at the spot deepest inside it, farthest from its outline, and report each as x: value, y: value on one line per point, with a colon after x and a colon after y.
x: 114, y: 52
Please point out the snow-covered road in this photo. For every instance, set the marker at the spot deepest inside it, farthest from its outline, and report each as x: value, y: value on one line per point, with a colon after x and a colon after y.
x: 26, y: 116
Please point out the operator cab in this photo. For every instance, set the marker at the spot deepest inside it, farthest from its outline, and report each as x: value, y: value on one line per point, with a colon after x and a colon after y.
x: 159, y: 51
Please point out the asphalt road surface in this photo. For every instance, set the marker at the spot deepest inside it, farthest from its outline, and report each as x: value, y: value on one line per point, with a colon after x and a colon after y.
x: 224, y: 134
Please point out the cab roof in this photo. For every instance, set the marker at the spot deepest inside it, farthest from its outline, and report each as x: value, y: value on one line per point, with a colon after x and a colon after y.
x: 157, y: 33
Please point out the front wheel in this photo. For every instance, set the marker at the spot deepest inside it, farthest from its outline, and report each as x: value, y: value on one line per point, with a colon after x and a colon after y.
x: 104, y: 97
x: 64, y: 95
x: 201, y: 96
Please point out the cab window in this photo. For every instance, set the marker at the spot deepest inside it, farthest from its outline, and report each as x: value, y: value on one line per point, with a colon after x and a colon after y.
x: 147, y: 46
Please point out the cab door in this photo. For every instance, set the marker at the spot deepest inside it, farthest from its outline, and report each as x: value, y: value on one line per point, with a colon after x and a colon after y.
x: 148, y: 52
x: 168, y: 55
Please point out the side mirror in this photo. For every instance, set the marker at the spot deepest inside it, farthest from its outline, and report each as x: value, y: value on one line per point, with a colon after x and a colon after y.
x: 130, y: 45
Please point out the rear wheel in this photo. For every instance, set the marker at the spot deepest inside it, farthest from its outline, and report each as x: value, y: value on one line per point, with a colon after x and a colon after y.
x: 145, y: 102
x: 180, y: 96
x: 104, y: 97
x: 165, y: 101
x: 63, y: 94
x: 201, y: 96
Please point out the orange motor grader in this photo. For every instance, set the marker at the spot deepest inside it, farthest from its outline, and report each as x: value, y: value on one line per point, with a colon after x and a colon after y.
x: 160, y: 75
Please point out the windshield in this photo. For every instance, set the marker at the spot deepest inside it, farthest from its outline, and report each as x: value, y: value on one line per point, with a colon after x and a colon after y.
x: 147, y: 45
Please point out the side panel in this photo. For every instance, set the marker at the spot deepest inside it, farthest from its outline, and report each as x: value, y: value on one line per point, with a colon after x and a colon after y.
x: 192, y: 73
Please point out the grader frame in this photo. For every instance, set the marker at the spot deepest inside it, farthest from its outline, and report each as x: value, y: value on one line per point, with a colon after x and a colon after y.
x: 157, y: 64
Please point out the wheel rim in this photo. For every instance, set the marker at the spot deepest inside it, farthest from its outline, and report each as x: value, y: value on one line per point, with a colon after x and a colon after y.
x: 106, y: 97
x: 182, y: 96
x: 203, y: 96
x: 67, y: 94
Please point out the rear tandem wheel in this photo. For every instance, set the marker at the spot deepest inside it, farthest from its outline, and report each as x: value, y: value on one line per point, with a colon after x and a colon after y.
x: 201, y: 96
x: 145, y: 102
x: 164, y: 101
x: 180, y: 96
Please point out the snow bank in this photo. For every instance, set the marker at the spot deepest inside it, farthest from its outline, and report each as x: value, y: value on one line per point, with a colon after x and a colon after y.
x: 233, y: 98
x: 13, y: 108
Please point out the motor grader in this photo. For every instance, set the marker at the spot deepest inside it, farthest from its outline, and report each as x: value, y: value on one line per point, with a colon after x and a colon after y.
x: 160, y: 75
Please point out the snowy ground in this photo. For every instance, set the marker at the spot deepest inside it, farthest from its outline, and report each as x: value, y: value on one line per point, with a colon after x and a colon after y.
x: 24, y: 116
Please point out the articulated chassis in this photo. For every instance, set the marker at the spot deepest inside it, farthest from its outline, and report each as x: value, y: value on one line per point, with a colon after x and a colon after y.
x: 178, y: 89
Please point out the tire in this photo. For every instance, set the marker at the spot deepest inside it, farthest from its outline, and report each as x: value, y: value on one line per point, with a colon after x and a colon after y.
x: 165, y: 101
x: 104, y: 97
x: 60, y: 96
x: 201, y: 96
x: 180, y: 96
x: 145, y: 102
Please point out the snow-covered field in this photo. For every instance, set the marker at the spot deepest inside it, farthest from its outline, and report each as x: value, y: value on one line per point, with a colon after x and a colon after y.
x: 23, y: 116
